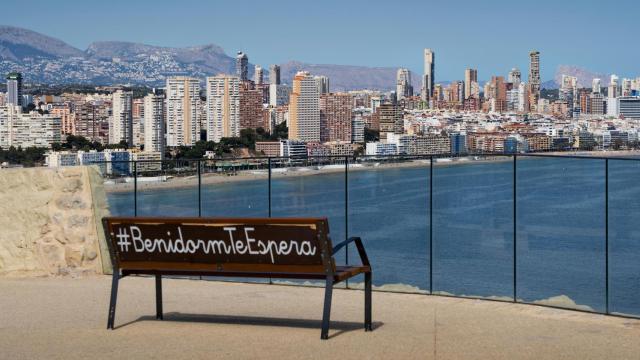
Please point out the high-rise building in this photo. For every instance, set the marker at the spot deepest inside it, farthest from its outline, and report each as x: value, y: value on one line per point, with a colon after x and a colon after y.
x: 613, y: 90
x: 121, y: 124
x: 223, y: 107
x: 428, y: 76
x: 515, y: 77
x: 596, y: 86
x: 251, y: 109
x: 274, y: 74
x: 242, y: 66
x: 258, y: 78
x: 470, y: 77
x: 14, y: 89
x: 391, y: 117
x: 534, y: 77
x: 278, y: 94
x: 27, y: 130
x: 403, y: 84
x: 323, y: 84
x: 154, y: 114
x: 336, y: 117
x: 183, y: 119
x: 304, y: 108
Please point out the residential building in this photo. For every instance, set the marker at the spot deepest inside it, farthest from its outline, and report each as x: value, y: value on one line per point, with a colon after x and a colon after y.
x: 428, y: 76
x: 471, y: 78
x: 403, y: 84
x: 183, y: 118
x: 121, y: 124
x: 274, y: 74
x: 391, y: 119
x: 14, y: 89
x: 268, y: 148
x: 223, y: 107
x: 242, y: 66
x: 154, y: 115
x: 534, y: 78
x: 335, y: 117
x: 251, y: 112
x: 304, y: 108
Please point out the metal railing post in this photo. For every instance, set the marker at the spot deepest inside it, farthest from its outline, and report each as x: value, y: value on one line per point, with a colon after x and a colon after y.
x: 199, y: 189
x: 515, y: 253
x: 269, y: 184
x: 346, y: 211
x: 606, y: 231
x: 135, y: 188
x: 431, y: 224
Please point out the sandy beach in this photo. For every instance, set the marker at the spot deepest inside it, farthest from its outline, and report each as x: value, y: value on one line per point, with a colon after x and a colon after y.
x: 295, y: 171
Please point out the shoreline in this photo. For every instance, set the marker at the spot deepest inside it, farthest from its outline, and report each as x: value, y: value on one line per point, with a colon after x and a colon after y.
x: 298, y: 171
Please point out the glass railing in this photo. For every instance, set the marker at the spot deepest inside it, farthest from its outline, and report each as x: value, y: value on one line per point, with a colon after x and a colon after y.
x: 534, y: 228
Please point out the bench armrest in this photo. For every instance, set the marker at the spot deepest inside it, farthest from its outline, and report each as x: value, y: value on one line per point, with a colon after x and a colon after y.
x: 358, y: 241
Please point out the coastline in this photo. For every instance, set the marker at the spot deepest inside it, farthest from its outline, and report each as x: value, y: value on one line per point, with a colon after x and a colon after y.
x: 298, y: 171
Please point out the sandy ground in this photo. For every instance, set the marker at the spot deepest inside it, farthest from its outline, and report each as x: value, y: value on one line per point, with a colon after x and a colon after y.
x: 65, y: 318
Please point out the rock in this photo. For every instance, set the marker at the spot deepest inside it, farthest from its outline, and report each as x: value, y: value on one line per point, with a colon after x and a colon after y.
x: 90, y: 254
x: 67, y: 203
x: 72, y: 185
x: 73, y: 256
x: 77, y: 221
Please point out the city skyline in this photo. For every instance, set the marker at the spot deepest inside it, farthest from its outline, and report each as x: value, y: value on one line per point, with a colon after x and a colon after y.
x: 456, y: 50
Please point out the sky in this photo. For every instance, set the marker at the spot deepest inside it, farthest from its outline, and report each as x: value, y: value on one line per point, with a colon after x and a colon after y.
x: 492, y: 36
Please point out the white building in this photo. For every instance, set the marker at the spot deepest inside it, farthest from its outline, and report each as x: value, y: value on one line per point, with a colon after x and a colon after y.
x: 121, y: 124
x: 278, y: 94
x: 28, y: 130
x: 223, y: 107
x: 183, y: 120
x: 381, y: 149
x: 154, y: 112
x: 62, y: 158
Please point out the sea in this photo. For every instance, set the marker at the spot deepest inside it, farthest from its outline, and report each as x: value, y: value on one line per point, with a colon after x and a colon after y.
x: 534, y: 230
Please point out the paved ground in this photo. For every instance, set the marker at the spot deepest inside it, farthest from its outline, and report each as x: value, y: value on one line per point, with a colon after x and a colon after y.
x: 66, y: 318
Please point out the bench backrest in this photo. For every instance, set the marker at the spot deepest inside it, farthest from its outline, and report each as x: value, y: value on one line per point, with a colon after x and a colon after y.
x: 278, y: 245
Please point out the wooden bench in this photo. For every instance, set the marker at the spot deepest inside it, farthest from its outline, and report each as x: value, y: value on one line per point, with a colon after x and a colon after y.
x: 290, y: 248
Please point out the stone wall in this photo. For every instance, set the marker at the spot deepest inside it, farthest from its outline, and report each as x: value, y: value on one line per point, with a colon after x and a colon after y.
x: 49, y: 221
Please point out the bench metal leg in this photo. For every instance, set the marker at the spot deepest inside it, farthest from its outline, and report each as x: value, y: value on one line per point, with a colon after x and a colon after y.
x: 114, y: 297
x: 326, y: 314
x: 158, y: 296
x: 367, y: 302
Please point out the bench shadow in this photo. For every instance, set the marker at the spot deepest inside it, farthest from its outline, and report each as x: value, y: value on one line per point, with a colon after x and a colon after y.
x: 336, y: 328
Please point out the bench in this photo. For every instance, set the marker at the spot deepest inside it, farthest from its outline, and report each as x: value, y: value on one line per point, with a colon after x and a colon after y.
x: 288, y: 248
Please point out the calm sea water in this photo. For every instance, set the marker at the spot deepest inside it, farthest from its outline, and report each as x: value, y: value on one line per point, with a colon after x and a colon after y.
x: 560, y: 224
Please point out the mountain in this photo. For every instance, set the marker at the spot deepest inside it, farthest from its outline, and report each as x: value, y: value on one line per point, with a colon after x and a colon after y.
x: 348, y: 77
x: 17, y: 44
x: 584, y: 76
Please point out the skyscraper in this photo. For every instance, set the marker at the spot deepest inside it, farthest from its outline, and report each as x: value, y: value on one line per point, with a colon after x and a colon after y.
x: 403, y: 84
x: 121, y: 124
x: 154, y: 112
x: 323, y: 84
x: 242, y: 66
x: 335, y: 117
x: 515, y: 77
x: 304, y: 108
x: 470, y: 77
x: 14, y: 89
x: 257, y: 75
x: 183, y: 120
x: 429, y: 73
x: 534, y: 78
x: 274, y: 74
x: 251, y: 110
x: 596, y: 86
x: 223, y: 107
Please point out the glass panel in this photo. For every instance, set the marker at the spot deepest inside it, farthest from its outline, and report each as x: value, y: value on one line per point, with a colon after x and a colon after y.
x: 389, y: 210
x: 561, y: 232
x: 119, y: 188
x: 313, y: 187
x: 237, y: 188
x: 624, y: 237
x: 473, y: 226
x: 167, y: 188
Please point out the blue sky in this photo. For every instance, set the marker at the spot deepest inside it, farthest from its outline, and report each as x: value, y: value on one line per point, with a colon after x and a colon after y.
x: 493, y: 36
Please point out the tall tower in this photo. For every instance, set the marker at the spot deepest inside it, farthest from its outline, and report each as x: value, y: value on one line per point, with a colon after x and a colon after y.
x: 154, y: 123
x: 121, y: 125
x: 470, y: 77
x: 242, y: 66
x: 274, y: 74
x: 403, y: 84
x: 323, y: 84
x: 304, y: 108
x: 534, y: 78
x: 14, y: 89
x: 223, y: 107
x: 429, y: 73
x: 257, y: 75
x: 183, y: 100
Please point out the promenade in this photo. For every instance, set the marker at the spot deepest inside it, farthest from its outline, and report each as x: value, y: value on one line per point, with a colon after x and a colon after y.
x: 65, y: 318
